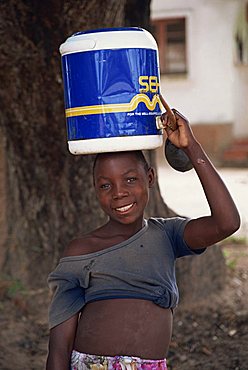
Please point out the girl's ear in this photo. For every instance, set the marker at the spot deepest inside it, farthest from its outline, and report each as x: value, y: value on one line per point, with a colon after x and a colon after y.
x: 151, y: 176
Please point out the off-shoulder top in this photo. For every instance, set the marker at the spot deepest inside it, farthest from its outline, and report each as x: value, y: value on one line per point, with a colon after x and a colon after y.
x: 141, y: 267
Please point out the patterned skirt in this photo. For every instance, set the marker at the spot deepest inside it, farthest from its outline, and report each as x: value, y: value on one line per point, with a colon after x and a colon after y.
x: 82, y: 361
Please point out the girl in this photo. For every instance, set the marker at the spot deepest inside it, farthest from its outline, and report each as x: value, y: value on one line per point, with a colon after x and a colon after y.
x: 115, y: 288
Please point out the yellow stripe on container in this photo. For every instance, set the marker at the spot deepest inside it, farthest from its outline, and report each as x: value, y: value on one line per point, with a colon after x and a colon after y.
x: 114, y: 108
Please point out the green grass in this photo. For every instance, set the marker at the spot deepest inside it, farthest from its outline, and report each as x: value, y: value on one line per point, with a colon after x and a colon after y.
x: 11, y: 286
x: 15, y: 288
x: 230, y: 261
x: 234, y: 239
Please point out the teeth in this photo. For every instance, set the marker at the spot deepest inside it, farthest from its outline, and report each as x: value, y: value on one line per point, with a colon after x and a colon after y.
x: 124, y: 209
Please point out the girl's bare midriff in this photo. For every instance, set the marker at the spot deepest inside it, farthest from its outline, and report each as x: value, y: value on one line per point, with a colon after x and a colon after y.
x: 131, y: 327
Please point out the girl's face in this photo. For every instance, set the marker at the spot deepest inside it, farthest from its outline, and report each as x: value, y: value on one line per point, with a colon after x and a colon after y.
x: 122, y: 186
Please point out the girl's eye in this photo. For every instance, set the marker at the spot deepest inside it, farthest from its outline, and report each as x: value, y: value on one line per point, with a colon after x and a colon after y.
x: 105, y: 186
x: 131, y: 179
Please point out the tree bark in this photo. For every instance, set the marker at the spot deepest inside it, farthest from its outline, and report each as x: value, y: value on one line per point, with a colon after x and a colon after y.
x: 48, y: 193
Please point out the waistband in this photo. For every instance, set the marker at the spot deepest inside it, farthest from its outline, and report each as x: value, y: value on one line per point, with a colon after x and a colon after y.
x: 83, y: 361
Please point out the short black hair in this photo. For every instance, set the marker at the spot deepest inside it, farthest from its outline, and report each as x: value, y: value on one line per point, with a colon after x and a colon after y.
x: 138, y: 154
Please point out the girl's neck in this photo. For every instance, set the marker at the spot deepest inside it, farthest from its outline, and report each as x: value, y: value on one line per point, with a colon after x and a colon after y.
x: 115, y: 228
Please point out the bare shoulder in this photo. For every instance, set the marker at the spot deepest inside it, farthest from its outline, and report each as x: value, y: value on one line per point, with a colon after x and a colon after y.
x: 92, y: 242
x: 80, y: 246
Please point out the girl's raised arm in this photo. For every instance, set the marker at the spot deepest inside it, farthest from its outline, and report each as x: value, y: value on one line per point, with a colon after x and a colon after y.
x: 224, y: 218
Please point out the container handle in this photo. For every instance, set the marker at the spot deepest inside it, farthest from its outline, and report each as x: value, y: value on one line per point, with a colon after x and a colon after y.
x: 172, y: 118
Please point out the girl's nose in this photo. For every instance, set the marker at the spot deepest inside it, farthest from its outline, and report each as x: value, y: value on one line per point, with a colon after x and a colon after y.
x: 119, y: 192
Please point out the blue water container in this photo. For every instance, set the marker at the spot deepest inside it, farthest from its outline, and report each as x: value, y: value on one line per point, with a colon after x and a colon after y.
x: 111, y: 88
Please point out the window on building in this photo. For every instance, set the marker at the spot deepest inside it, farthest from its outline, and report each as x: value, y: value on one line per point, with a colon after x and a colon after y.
x: 241, y: 34
x: 171, y: 38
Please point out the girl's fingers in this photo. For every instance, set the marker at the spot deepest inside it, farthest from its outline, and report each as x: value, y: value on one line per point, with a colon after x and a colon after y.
x: 168, y: 122
x: 164, y: 118
x: 168, y: 131
x: 180, y: 115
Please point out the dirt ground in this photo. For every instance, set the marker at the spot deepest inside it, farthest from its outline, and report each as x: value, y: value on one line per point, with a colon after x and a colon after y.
x: 212, y: 336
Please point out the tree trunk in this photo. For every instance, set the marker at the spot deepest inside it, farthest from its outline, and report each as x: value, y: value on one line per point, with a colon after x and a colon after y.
x: 47, y: 193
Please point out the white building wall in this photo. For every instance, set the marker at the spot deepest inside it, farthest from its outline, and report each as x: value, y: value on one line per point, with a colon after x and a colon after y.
x: 241, y: 102
x: 206, y: 94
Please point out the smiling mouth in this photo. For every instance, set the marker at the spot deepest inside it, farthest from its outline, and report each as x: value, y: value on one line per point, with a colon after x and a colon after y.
x: 125, y: 208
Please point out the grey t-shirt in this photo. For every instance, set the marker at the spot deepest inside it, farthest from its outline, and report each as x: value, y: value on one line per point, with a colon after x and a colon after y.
x: 141, y: 267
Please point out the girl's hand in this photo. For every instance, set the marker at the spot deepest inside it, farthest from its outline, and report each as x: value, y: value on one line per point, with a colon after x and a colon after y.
x: 181, y: 135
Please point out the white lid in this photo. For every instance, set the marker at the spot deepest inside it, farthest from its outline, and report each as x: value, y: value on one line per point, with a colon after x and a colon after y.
x: 115, y: 144
x: 116, y: 38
